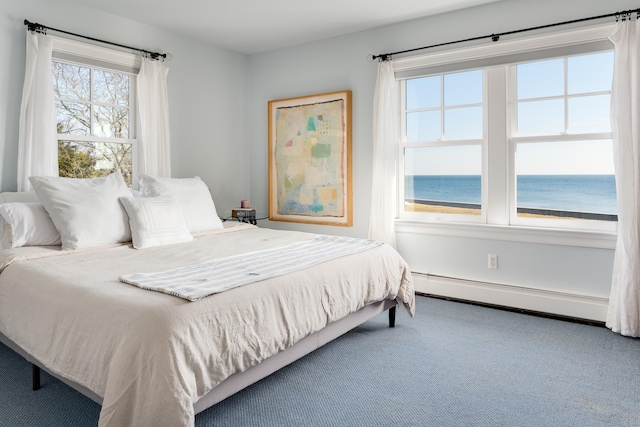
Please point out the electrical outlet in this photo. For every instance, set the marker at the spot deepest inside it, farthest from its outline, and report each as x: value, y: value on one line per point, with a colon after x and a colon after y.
x: 493, y: 262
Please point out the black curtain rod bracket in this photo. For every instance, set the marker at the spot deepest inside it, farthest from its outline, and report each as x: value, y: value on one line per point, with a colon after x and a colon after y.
x: 42, y: 29
x: 496, y: 37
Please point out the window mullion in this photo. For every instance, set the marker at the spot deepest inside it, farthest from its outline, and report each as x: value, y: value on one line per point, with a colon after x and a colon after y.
x: 496, y: 150
x: 453, y: 143
x: 98, y: 139
x: 442, y: 107
x: 566, y: 96
x: 512, y: 146
x: 568, y: 137
x: 401, y: 147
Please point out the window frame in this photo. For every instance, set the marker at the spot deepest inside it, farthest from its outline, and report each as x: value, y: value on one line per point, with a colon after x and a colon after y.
x: 403, y: 145
x: 500, y: 153
x: 565, y: 136
x: 99, y: 58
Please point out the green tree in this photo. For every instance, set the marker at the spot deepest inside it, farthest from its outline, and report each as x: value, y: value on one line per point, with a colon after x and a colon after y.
x: 73, y: 162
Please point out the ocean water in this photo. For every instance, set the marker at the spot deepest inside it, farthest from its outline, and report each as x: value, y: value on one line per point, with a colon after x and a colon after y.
x: 578, y: 193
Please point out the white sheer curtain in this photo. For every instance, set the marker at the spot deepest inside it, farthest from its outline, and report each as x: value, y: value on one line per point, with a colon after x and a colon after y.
x: 153, y: 114
x: 385, y: 152
x: 624, y: 303
x: 37, y: 144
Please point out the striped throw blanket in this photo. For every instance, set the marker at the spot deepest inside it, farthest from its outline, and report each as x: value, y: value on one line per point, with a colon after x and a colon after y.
x: 197, y: 281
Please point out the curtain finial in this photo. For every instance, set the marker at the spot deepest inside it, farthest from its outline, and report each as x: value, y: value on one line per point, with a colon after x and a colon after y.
x: 35, y: 27
x: 381, y: 58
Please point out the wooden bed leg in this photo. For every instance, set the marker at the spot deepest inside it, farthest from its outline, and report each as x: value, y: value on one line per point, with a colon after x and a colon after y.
x: 392, y: 317
x: 35, y: 377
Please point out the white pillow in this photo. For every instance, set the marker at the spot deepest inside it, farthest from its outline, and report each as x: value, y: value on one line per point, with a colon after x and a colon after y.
x: 19, y: 197
x: 137, y: 193
x: 192, y: 194
x: 155, y: 221
x: 26, y: 224
x: 86, y: 212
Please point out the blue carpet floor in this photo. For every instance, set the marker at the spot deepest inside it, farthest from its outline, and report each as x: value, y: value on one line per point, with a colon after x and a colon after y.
x: 453, y: 364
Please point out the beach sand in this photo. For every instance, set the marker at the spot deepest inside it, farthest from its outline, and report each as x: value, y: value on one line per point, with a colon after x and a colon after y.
x: 417, y: 207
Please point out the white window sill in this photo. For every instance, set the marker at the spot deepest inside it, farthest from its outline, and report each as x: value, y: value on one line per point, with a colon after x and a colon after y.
x: 580, y: 238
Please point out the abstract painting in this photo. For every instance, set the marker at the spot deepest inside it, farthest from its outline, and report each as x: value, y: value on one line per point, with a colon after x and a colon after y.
x: 310, y: 159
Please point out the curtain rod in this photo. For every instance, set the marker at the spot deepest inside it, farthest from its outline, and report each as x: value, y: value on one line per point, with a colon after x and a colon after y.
x: 495, y: 37
x: 39, y: 28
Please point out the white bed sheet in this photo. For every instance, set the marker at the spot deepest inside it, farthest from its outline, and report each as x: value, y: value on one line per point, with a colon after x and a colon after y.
x: 151, y: 356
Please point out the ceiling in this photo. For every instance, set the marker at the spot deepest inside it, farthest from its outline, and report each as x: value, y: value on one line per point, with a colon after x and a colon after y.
x: 253, y: 26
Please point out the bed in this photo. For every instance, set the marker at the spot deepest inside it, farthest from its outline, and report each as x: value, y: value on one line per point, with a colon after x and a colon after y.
x: 154, y: 359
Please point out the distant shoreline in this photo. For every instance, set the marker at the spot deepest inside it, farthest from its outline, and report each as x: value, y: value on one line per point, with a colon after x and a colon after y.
x: 439, y: 206
x: 591, y: 194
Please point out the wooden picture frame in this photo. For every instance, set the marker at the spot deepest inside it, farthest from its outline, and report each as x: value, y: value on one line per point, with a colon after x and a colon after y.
x: 310, y: 159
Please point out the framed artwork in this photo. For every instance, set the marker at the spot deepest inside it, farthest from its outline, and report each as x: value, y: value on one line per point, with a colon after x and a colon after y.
x: 310, y: 159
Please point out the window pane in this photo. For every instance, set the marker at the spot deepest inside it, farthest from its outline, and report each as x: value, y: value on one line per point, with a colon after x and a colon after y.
x: 463, y: 123
x: 111, y: 88
x: 540, y: 79
x: 541, y: 117
x: 424, y: 126
x: 463, y: 88
x: 72, y: 118
x: 94, y: 159
x: 111, y: 122
x: 589, y: 114
x: 566, y: 180
x: 443, y: 179
x: 423, y: 93
x: 590, y: 73
x: 71, y: 82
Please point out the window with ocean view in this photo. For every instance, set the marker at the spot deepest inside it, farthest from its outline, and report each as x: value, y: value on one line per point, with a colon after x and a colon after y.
x: 563, y: 148
x: 525, y: 143
x: 443, y: 144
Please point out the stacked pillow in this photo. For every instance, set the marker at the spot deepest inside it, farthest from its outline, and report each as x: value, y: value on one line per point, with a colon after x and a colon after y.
x: 86, y: 212
x: 80, y: 213
x: 192, y: 194
x: 26, y: 224
x: 155, y: 221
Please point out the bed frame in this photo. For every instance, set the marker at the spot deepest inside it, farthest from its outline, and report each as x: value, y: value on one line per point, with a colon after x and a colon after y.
x: 241, y: 380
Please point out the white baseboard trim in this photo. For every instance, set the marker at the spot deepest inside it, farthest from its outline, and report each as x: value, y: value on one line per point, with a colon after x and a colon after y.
x: 544, y: 301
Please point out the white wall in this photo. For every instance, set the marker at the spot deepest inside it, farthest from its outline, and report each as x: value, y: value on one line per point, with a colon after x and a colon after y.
x: 207, y: 92
x: 339, y: 64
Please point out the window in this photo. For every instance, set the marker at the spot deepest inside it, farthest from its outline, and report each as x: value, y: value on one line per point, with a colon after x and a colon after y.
x: 524, y: 139
x: 444, y: 135
x: 562, y: 139
x: 95, y: 112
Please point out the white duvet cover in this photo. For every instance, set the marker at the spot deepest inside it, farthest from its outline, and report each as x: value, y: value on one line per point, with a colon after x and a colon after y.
x: 150, y: 355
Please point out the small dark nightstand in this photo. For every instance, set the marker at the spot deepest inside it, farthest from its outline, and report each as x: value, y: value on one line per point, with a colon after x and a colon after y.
x: 246, y: 215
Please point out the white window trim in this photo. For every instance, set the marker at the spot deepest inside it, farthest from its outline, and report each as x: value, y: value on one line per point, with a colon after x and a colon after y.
x: 498, y: 210
x: 511, y: 233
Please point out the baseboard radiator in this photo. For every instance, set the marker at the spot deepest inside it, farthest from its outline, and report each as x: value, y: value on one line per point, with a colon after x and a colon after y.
x: 556, y: 304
